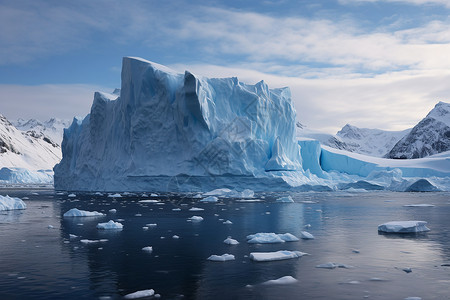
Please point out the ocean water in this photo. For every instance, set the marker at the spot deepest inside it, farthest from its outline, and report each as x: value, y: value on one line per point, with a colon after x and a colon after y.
x: 38, y: 261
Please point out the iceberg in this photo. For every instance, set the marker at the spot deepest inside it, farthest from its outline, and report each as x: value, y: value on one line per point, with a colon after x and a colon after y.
x: 75, y: 212
x: 286, y: 199
x: 223, y: 257
x: 306, y: 235
x: 110, y: 225
x: 169, y: 131
x: 403, y: 227
x: 11, y: 203
x: 281, y: 280
x: 270, y: 238
x: 230, y: 241
x: 277, y: 255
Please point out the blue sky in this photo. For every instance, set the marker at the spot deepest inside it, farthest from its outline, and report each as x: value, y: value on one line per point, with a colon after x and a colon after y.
x: 372, y: 63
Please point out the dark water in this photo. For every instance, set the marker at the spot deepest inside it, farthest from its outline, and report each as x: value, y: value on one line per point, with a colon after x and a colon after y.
x: 37, y: 262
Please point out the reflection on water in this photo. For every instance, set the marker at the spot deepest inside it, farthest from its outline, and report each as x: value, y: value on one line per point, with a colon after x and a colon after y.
x: 38, y: 262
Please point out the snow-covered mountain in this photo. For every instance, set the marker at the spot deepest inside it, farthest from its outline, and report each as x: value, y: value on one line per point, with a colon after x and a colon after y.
x: 325, y: 139
x: 430, y: 136
x: 53, y: 128
x: 26, y: 157
x: 372, y: 142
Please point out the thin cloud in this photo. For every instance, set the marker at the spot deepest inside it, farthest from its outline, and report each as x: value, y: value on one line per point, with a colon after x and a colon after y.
x: 414, y: 2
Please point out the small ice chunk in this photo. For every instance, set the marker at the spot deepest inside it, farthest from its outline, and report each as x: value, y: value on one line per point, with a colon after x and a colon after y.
x: 98, y: 194
x: 151, y: 225
x: 117, y: 195
x: 111, y: 225
x: 198, y: 196
x: 419, y: 205
x: 407, y: 270
x: 140, y: 294
x: 413, y: 298
x: 113, y: 211
x: 228, y: 222
x: 355, y: 251
x: 154, y: 195
x: 50, y: 227
x: 148, y: 249
x: 306, y: 235
x: 403, y: 227
x: 72, y: 236
x: 148, y: 201
x: 230, y: 241
x: 281, y: 280
x: 270, y: 238
x: 145, y: 227
x: 328, y: 265
x: 286, y: 199
x: 75, y: 212
x: 86, y: 241
x: 176, y: 209
x: 11, y: 203
x: 210, y: 199
x: 138, y: 215
x: 196, y: 209
x: 196, y: 219
x: 175, y: 237
x: 223, y: 257
x: 71, y: 195
x: 277, y: 255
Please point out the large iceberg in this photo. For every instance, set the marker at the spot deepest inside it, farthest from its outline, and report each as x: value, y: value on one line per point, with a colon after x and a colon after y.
x: 171, y: 132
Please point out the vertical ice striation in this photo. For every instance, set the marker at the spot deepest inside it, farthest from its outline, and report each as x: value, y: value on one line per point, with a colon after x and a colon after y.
x: 165, y: 124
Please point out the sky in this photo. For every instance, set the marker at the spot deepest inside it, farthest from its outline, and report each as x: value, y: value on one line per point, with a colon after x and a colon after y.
x: 370, y: 63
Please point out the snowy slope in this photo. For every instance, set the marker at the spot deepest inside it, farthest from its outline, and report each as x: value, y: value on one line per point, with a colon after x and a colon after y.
x: 26, y: 157
x: 166, y: 124
x: 52, y: 128
x: 373, y: 142
x: 326, y: 139
x: 430, y: 136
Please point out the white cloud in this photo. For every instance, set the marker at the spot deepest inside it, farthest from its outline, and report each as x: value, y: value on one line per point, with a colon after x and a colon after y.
x: 45, y: 101
x: 414, y: 2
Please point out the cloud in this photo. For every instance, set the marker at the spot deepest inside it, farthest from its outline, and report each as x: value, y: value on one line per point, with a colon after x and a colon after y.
x: 46, y: 101
x: 393, y: 101
x: 414, y: 2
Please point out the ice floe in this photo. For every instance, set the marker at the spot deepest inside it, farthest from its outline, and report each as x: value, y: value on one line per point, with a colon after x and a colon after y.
x: 286, y: 199
x: 277, y: 255
x: 230, y: 241
x: 110, y: 225
x: 11, y: 203
x: 75, y: 212
x: 148, y: 249
x: 196, y: 209
x: 332, y: 265
x: 140, y: 294
x: 210, y: 199
x: 195, y: 219
x: 223, y: 257
x: 227, y: 222
x: 87, y: 241
x: 306, y: 235
x: 419, y: 205
x: 281, y: 280
x: 117, y: 195
x: 270, y: 238
x: 403, y: 227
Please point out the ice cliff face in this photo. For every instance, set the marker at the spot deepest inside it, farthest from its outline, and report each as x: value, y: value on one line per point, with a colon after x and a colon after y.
x: 430, y: 136
x: 165, y: 124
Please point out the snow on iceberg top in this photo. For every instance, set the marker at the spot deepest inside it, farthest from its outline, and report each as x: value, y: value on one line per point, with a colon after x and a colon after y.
x: 166, y: 123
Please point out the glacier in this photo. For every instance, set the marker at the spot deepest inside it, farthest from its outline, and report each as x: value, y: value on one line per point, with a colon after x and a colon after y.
x: 177, y: 132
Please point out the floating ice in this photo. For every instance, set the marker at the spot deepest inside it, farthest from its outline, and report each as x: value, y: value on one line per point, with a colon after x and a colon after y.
x: 154, y: 195
x: 11, y: 203
x: 71, y: 195
x: 151, y: 225
x: 306, y: 235
x: 331, y: 265
x: 75, y: 212
x: 403, y: 227
x: 277, y: 255
x: 281, y: 280
x: 286, y: 199
x: 86, y: 241
x: 148, y: 201
x: 270, y: 238
x: 113, y: 211
x: 223, y: 257
x: 227, y: 222
x: 175, y: 237
x: 196, y: 219
x: 140, y: 294
x: 422, y: 185
x: 148, y: 249
x: 413, y: 298
x: 419, y: 205
x: 176, y: 209
x: 227, y: 193
x: 211, y: 199
x: 230, y: 241
x: 110, y: 225
x: 195, y: 209
x: 115, y: 195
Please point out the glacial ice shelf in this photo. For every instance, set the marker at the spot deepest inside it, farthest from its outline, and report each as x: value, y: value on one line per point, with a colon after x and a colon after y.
x: 175, y: 132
